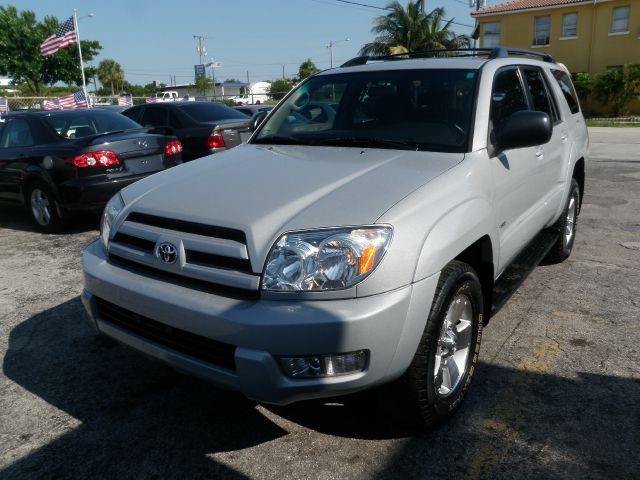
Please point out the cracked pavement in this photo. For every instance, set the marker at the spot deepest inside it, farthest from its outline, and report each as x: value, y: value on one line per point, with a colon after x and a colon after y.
x: 556, y: 392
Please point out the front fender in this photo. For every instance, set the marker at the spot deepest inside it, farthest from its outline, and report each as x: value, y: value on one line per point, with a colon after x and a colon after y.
x: 453, y: 232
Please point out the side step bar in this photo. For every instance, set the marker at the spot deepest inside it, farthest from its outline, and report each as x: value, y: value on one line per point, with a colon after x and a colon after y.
x: 522, y: 266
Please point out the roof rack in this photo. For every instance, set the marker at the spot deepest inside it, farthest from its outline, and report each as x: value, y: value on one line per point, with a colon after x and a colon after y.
x: 491, y: 53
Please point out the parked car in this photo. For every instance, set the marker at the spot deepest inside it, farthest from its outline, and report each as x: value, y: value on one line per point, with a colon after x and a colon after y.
x: 59, y: 162
x: 331, y: 255
x: 251, y: 110
x: 202, y: 127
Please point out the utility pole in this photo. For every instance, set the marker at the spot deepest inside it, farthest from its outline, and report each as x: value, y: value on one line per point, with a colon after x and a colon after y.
x: 330, y: 47
x: 202, y: 51
x: 282, y: 72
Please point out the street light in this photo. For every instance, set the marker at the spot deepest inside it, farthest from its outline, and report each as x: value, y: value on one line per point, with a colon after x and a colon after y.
x: 330, y: 47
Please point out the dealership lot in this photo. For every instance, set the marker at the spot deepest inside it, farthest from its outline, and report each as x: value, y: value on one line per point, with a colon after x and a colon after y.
x: 556, y: 393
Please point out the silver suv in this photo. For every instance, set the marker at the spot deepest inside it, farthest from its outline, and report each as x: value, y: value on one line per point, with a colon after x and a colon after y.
x: 357, y: 239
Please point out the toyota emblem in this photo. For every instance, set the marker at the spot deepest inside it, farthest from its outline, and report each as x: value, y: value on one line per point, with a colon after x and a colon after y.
x: 167, y: 252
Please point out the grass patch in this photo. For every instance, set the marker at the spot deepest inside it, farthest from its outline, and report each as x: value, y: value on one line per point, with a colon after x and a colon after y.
x: 611, y: 123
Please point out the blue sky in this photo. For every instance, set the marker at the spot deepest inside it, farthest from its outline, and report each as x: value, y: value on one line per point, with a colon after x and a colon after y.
x: 153, y: 40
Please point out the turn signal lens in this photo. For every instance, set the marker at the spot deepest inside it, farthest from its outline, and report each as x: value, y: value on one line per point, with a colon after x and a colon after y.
x: 334, y: 365
x: 102, y: 158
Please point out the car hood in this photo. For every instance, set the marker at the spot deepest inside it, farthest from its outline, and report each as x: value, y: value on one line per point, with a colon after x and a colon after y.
x: 267, y: 190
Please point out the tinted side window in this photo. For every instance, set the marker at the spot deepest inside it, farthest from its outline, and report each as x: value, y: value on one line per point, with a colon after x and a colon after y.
x: 133, y: 113
x: 538, y: 92
x: 174, y: 121
x: 564, y: 81
x: 155, y: 117
x: 16, y: 133
x: 507, y: 97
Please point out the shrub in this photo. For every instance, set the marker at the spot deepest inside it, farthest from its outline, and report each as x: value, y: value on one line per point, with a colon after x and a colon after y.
x: 618, y: 87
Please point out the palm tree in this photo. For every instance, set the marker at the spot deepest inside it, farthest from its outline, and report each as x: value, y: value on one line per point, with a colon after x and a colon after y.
x: 110, y: 73
x: 412, y: 28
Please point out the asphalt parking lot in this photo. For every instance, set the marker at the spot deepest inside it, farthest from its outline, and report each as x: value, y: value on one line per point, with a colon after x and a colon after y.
x: 556, y: 393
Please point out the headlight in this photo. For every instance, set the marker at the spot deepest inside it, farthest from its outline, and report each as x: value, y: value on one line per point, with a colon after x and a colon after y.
x: 111, y: 211
x: 328, y: 259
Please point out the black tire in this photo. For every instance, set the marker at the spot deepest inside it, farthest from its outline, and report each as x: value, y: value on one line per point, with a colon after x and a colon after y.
x: 567, y: 223
x: 428, y: 401
x: 44, y: 208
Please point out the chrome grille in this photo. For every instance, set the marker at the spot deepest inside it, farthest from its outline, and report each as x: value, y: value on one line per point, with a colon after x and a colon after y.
x: 205, y: 253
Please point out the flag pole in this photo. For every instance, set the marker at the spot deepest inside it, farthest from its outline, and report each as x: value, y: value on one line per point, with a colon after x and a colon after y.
x: 84, y: 82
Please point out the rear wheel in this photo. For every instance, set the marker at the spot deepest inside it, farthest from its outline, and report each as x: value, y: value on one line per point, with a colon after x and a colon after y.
x: 44, y: 208
x: 441, y: 371
x: 565, y: 227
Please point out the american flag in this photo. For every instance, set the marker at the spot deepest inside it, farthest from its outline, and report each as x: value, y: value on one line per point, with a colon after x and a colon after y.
x: 150, y: 100
x: 53, y: 104
x: 4, y: 105
x: 64, y: 36
x: 74, y: 101
x: 125, y: 100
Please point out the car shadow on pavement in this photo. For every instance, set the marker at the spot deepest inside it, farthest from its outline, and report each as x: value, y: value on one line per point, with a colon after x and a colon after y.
x: 528, y: 424
x: 18, y: 218
x: 137, y: 418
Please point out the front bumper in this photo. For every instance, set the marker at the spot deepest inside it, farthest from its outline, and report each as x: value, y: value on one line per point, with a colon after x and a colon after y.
x: 388, y: 325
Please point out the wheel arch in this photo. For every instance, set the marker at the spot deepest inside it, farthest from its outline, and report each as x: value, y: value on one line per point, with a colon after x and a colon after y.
x: 479, y: 255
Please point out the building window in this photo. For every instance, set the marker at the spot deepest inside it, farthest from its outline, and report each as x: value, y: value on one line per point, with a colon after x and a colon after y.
x: 620, y: 20
x: 570, y: 25
x: 542, y: 30
x: 491, y: 35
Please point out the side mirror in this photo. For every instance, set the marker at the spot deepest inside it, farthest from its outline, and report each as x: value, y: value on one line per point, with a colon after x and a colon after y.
x: 256, y: 120
x: 526, y: 128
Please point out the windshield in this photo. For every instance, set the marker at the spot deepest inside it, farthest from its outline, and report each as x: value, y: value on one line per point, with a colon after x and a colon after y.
x: 84, y: 123
x: 422, y: 109
x: 211, y: 112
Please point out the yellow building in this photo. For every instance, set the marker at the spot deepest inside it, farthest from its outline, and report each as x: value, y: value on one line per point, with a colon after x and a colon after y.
x: 587, y: 36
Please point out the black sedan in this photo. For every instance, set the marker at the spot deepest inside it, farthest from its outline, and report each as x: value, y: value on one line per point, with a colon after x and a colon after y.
x: 202, y: 127
x: 57, y: 163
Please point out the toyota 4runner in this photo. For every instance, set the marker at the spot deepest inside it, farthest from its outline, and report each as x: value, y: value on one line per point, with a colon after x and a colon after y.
x: 357, y: 238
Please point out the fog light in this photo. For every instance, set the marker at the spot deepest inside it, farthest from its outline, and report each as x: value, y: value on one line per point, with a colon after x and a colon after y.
x: 325, y: 365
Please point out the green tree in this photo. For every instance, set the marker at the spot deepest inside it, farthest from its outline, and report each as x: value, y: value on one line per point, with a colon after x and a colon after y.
x: 306, y: 69
x: 411, y: 28
x: 583, y: 83
x: 279, y: 88
x: 203, y: 84
x: 20, y: 38
x: 617, y: 88
x: 110, y: 73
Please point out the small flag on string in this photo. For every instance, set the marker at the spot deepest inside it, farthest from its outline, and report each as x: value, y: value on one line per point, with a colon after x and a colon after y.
x: 125, y: 101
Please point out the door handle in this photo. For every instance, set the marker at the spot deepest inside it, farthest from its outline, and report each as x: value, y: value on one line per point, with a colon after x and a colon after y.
x: 539, y: 153
x: 564, y: 137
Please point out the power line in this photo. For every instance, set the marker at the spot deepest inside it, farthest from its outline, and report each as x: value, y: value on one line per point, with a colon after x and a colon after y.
x: 362, y: 4
x: 385, y: 8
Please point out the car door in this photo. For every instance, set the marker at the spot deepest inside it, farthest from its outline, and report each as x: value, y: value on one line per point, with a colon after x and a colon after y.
x: 554, y: 155
x: 16, y: 150
x: 519, y: 178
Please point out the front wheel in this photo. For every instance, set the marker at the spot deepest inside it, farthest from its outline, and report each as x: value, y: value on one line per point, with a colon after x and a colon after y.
x: 441, y: 371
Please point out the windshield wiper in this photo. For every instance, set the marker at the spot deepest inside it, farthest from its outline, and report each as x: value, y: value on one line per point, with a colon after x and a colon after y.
x: 367, y: 142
